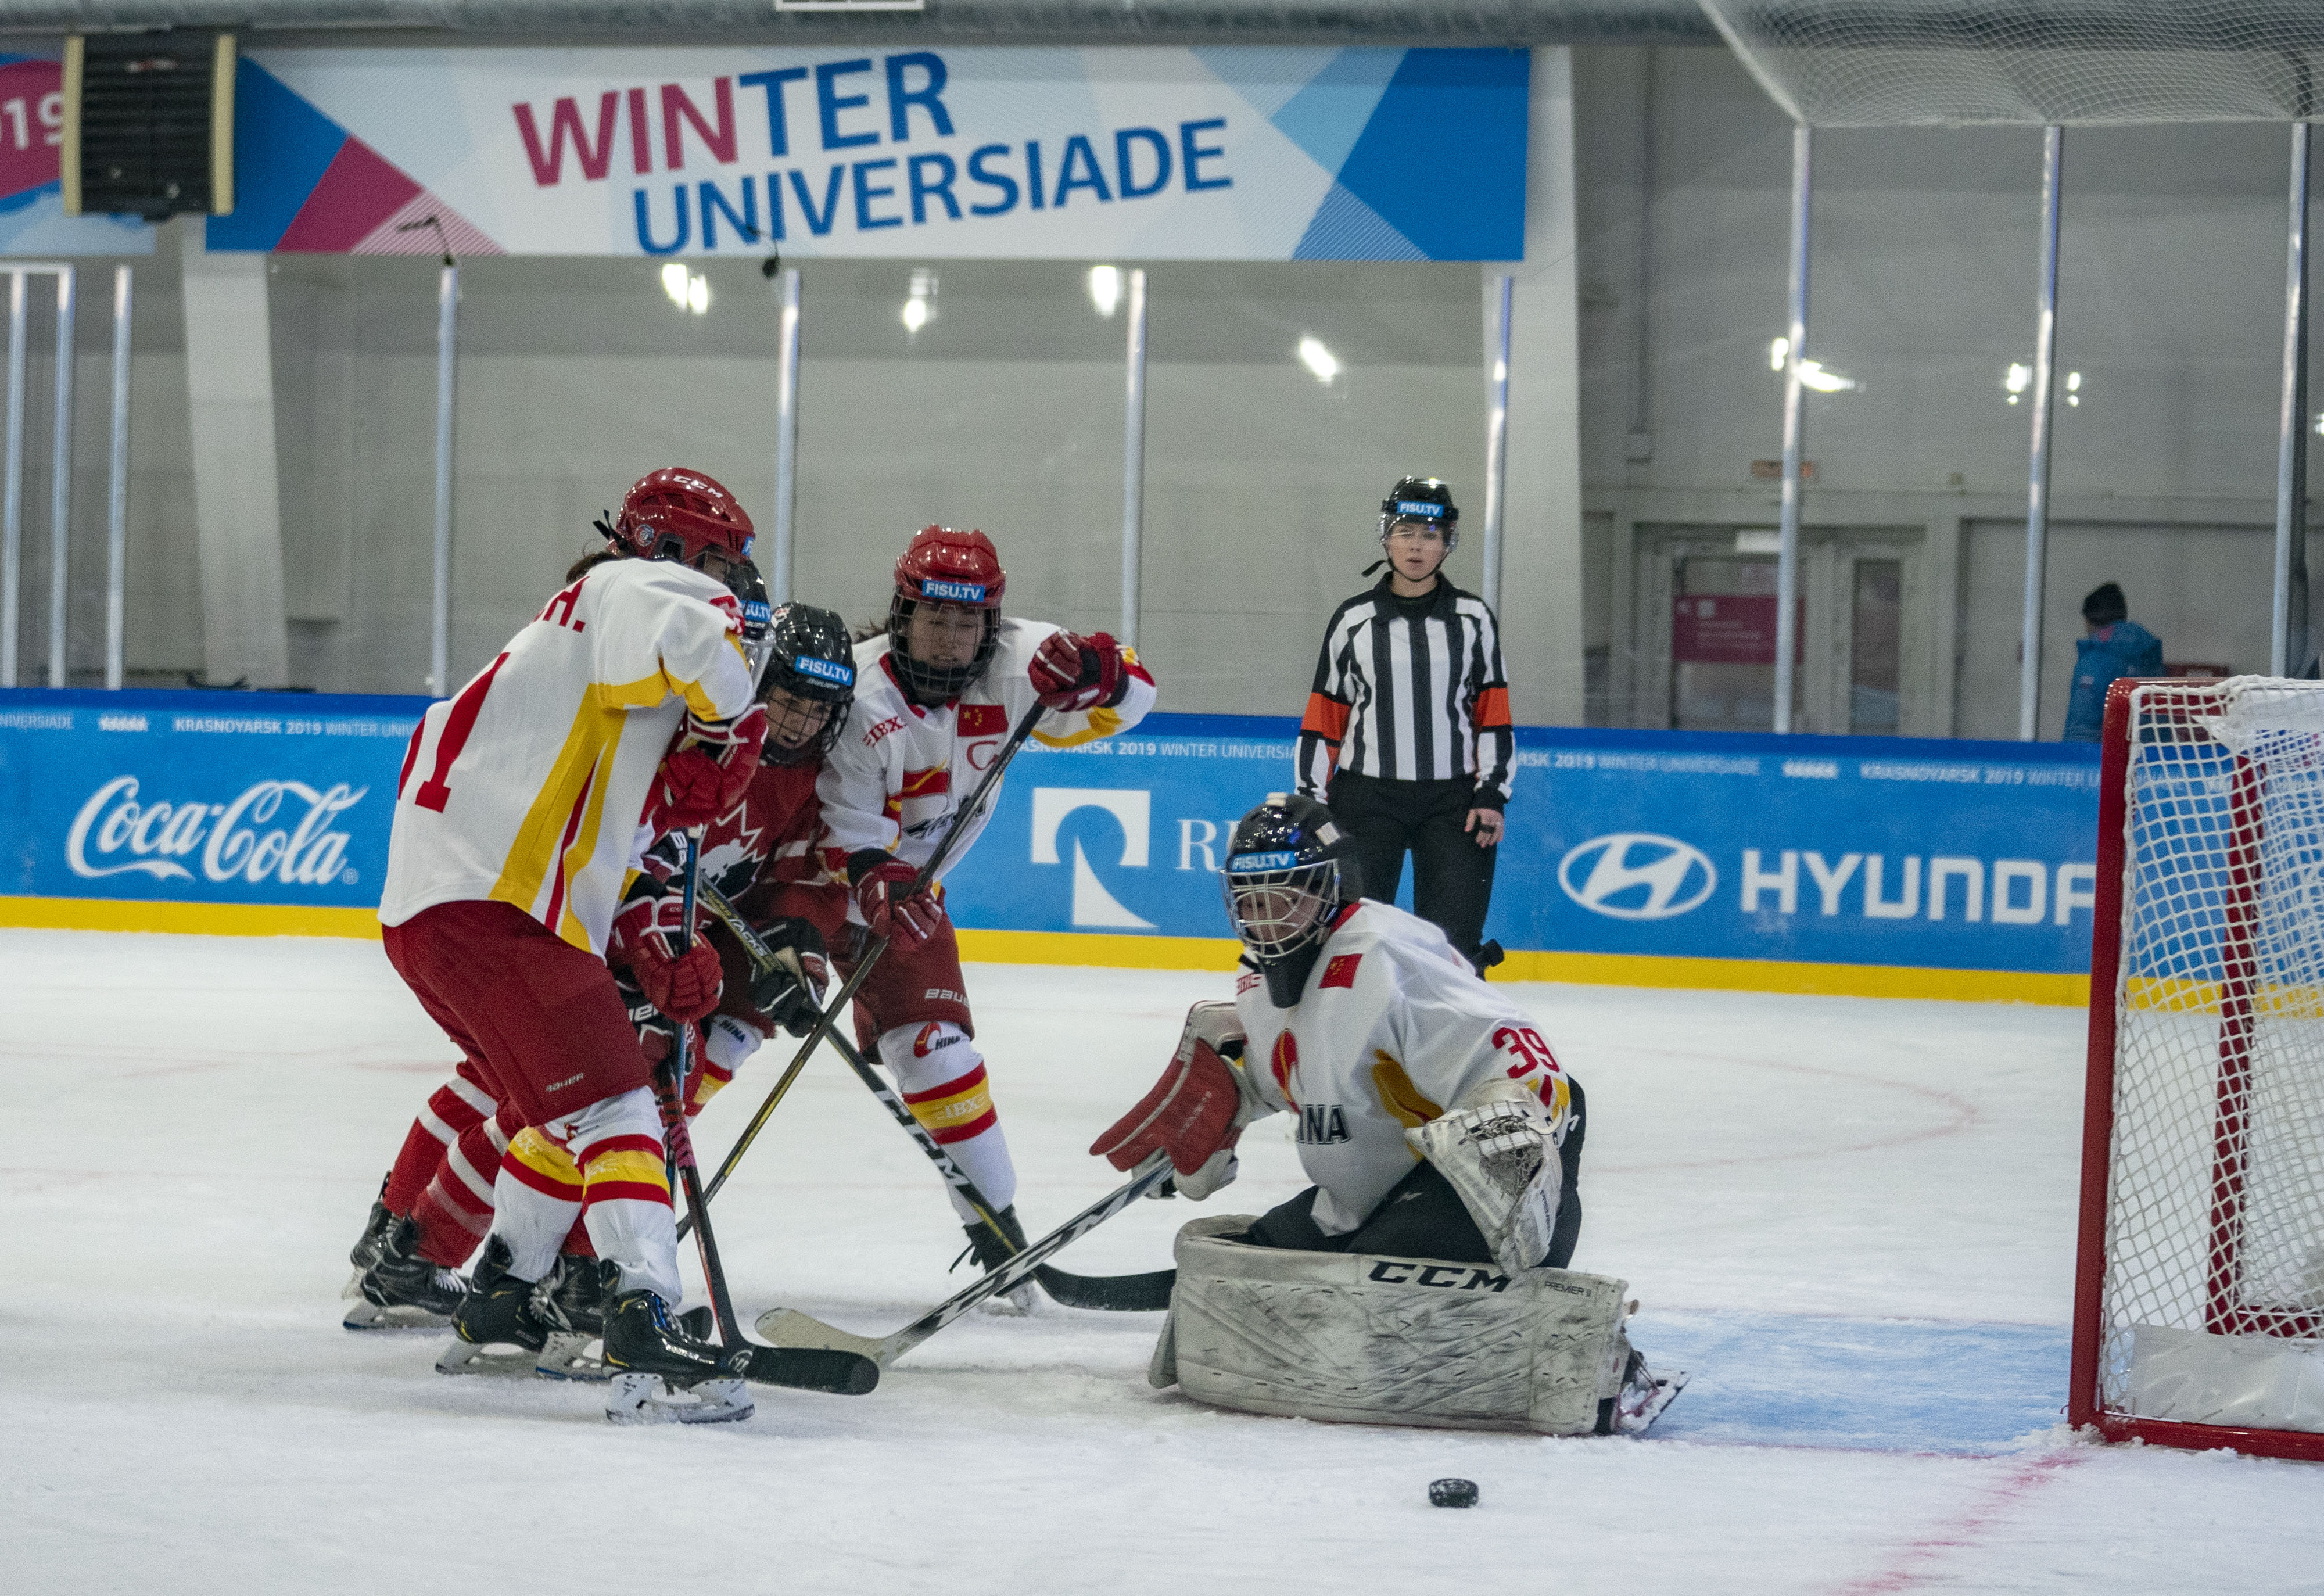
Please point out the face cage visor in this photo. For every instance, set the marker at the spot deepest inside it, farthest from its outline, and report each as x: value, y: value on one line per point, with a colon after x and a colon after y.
x: 936, y: 684
x: 1278, y: 912
x: 813, y: 721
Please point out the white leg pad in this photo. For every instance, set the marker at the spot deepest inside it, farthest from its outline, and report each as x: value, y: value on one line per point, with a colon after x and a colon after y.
x: 1398, y: 1341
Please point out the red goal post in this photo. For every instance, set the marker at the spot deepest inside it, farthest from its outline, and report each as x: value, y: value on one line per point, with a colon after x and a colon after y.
x: 2199, y: 1293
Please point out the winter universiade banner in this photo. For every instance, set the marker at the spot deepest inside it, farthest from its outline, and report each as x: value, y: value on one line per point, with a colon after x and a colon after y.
x: 1835, y: 853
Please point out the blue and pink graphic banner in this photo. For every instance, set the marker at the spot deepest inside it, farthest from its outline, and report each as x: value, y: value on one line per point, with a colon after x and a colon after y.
x: 1819, y: 849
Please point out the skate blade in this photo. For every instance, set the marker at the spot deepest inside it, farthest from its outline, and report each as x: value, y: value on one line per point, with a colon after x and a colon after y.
x: 468, y: 1358
x: 636, y: 1398
x: 568, y: 1355
x: 362, y: 1314
x: 1666, y: 1392
x: 1009, y: 1304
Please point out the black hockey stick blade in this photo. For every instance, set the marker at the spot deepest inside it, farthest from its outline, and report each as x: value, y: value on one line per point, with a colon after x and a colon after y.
x: 1111, y: 1294
x: 810, y: 1369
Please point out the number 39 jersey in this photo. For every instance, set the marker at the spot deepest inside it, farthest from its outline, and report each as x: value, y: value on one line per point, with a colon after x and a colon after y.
x: 528, y: 786
x: 1393, y: 1029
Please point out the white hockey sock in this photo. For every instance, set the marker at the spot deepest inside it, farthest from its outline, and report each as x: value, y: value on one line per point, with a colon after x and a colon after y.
x: 535, y: 1198
x: 617, y: 1143
x: 941, y: 1076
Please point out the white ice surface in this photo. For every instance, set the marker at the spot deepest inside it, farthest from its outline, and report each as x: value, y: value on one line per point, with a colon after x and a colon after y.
x: 1851, y: 1219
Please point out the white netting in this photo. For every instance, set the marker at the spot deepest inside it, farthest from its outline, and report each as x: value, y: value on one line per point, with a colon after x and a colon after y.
x: 2215, y: 1216
x: 1953, y: 63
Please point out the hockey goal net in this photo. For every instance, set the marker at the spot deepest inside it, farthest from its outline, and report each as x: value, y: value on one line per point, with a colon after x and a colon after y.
x: 2199, y: 1314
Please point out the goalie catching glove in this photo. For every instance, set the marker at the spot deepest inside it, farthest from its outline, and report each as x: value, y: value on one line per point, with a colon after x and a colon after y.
x: 1196, y: 1111
x: 1498, y: 1149
x: 646, y: 936
x: 709, y: 769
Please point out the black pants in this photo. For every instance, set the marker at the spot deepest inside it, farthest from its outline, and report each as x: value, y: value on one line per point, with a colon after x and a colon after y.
x: 1451, y: 875
x: 1422, y: 1217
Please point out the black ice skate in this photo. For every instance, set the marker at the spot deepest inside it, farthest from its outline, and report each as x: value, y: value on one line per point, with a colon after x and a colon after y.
x: 573, y: 1297
x: 663, y: 1372
x: 991, y: 1249
x: 366, y: 1251
x: 499, y: 1311
x: 402, y: 1290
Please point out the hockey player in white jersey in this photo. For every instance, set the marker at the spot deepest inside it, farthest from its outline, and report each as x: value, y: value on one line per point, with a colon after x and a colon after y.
x: 1433, y: 1118
x: 936, y: 697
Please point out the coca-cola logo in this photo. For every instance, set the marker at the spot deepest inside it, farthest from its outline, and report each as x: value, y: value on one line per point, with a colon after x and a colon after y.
x: 274, y: 831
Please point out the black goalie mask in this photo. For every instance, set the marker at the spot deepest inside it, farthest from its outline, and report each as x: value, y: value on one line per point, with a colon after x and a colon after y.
x: 1290, y: 870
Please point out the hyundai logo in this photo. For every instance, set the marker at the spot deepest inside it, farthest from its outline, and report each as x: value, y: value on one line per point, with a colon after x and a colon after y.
x: 1636, y: 875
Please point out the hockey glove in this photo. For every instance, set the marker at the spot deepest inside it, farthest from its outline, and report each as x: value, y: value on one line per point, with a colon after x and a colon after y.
x: 889, y: 906
x: 1498, y: 1152
x: 1195, y: 1112
x: 657, y: 1031
x: 645, y: 937
x: 1072, y: 672
x: 707, y: 772
x: 790, y: 994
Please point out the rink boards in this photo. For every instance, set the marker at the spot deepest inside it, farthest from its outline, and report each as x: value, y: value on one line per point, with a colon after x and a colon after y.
x: 1871, y: 867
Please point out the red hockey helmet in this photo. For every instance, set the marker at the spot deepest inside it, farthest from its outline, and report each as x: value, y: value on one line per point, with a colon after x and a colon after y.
x: 677, y: 513
x: 944, y: 566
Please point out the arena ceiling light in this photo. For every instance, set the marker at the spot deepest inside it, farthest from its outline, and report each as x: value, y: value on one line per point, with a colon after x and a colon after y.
x: 688, y: 291
x: 2017, y: 377
x: 1318, y: 359
x: 1812, y: 374
x: 1105, y: 289
x: 920, y: 307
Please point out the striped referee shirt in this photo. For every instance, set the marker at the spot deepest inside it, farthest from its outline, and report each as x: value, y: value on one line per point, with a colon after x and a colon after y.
x: 1410, y: 689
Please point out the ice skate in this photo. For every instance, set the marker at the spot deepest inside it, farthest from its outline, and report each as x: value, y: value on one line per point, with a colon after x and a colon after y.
x: 991, y: 1249
x: 400, y: 1290
x: 1642, y: 1396
x: 499, y: 1311
x: 366, y: 1251
x: 663, y: 1372
x: 573, y: 1298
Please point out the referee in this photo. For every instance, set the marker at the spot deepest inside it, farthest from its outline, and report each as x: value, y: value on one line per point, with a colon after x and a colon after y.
x: 1407, y: 735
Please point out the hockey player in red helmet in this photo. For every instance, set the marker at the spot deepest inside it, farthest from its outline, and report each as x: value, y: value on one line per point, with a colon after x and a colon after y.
x: 935, y: 698
x: 628, y: 706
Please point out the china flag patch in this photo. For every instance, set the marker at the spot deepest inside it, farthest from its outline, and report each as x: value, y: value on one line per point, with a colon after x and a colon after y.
x: 1341, y: 971
x: 982, y: 720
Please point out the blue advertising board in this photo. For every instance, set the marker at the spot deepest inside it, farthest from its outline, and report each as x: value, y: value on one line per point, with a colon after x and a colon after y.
x: 1831, y: 852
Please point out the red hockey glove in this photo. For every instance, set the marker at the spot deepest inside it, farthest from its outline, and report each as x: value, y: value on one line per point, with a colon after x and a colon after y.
x: 1195, y: 1112
x: 883, y: 892
x: 645, y: 937
x: 708, y: 771
x: 1071, y: 672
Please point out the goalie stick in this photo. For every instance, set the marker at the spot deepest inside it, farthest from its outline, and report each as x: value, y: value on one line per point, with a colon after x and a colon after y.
x: 846, y: 994
x: 1120, y: 1294
x: 788, y: 1329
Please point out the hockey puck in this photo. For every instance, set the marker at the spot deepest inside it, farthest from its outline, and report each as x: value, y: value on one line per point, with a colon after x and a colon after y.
x: 1452, y: 1493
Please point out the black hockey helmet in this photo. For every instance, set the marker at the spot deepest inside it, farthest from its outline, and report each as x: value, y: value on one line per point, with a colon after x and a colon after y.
x: 812, y: 664
x: 1289, y: 872
x: 749, y: 591
x: 1422, y: 499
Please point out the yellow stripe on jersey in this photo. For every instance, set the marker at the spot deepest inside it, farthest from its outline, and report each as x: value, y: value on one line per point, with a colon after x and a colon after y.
x: 545, y: 1158
x: 1399, y: 1096
x: 1102, y: 723
x: 649, y: 690
x: 535, y: 851
x: 584, y: 848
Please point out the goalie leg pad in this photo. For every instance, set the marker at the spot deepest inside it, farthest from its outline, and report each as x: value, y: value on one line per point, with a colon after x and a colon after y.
x: 1398, y: 1341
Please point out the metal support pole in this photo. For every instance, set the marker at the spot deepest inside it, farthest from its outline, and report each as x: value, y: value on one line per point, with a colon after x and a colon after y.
x: 2288, y: 644
x: 117, y: 506
x: 1787, y: 540
x: 447, y: 307
x: 1497, y: 444
x: 2037, y: 494
x: 1133, y: 459
x: 60, y: 477
x: 12, y: 493
x: 787, y: 366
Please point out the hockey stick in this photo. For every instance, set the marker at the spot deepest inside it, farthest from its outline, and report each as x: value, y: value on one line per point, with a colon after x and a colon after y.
x: 1120, y: 1294
x: 789, y: 1328
x: 863, y: 966
x: 677, y: 1139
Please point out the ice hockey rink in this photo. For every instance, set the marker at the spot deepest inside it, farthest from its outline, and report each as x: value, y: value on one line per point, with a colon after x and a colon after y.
x: 1850, y: 1220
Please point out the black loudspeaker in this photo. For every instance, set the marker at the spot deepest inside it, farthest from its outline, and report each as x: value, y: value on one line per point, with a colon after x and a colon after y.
x: 149, y: 125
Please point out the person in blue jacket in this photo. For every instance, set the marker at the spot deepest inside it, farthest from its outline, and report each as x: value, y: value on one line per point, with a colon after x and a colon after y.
x: 2117, y: 646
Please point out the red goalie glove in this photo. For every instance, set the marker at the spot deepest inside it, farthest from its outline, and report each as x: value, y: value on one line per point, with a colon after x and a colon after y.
x: 645, y: 937
x: 1195, y: 1112
x: 706, y: 774
x: 1071, y: 672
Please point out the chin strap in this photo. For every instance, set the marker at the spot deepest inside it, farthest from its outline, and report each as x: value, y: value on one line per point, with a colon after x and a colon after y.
x: 1375, y: 565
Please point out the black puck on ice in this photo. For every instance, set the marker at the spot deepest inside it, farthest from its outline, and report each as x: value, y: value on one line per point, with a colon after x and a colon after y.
x: 1452, y: 1493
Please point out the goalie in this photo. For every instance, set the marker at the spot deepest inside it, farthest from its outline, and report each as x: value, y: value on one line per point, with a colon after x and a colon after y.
x: 1439, y: 1129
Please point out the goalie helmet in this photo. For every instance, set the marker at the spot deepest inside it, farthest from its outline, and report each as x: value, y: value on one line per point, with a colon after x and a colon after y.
x: 942, y: 566
x: 677, y: 514
x: 1289, y: 872
x: 812, y: 663
x: 1422, y: 499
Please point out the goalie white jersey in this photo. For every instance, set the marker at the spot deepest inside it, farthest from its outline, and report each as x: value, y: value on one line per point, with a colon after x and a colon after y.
x: 1393, y: 1027
x: 528, y: 786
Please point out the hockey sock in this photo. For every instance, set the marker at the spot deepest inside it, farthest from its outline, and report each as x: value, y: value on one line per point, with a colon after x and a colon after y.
x: 456, y: 1209
x: 617, y: 1143
x: 941, y: 1076
x: 456, y: 1107
x: 536, y: 1200
x: 727, y: 1045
